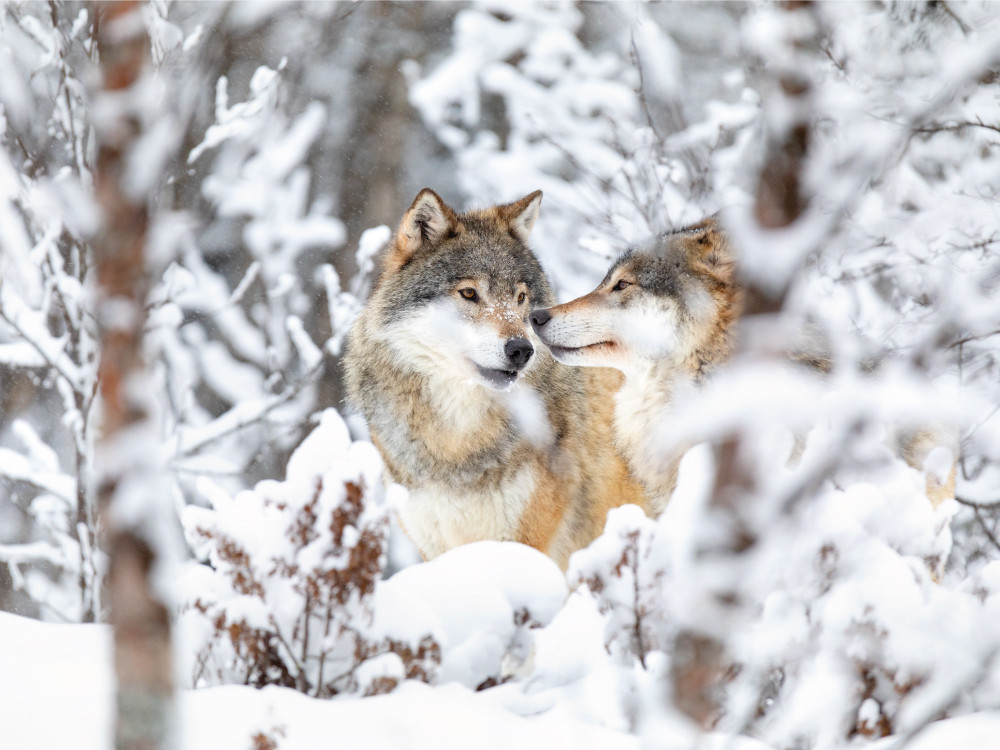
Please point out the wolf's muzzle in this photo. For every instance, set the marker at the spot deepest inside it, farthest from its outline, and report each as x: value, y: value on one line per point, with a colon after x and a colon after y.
x: 518, y: 351
x: 539, y: 318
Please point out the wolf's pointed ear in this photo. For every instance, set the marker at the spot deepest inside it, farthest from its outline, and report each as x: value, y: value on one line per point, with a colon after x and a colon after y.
x: 520, y: 215
x: 712, y: 247
x: 428, y: 221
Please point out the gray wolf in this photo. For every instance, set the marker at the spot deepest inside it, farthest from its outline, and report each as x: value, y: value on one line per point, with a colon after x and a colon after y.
x: 492, y: 437
x: 665, y: 315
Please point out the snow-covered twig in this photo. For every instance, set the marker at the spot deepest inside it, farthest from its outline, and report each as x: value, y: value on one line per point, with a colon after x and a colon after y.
x: 244, y: 415
x: 49, y: 349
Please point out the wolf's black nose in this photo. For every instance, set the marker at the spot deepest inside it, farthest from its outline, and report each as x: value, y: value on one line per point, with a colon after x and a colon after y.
x: 519, y: 351
x: 539, y: 318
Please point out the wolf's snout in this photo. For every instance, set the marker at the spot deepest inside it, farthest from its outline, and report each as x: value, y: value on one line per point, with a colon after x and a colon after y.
x: 518, y: 351
x: 539, y: 318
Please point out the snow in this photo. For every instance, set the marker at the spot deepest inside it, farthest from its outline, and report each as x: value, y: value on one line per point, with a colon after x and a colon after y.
x: 271, y: 172
x: 977, y: 732
x: 16, y: 467
x: 66, y: 669
x: 415, y: 716
x: 472, y: 599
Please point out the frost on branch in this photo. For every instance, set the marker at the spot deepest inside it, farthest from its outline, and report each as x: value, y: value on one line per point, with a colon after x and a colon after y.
x: 625, y: 570
x: 48, y: 338
x: 288, y: 592
x: 583, y: 101
x: 842, y: 629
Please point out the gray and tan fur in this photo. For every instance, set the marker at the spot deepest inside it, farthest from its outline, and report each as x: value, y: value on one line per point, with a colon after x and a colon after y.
x: 492, y: 437
x: 666, y: 316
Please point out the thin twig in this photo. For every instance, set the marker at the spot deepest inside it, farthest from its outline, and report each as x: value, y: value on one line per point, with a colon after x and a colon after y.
x: 976, y: 509
x: 956, y: 126
x: 976, y: 337
x: 241, y: 424
x: 38, y: 348
x: 639, y: 640
x: 961, y: 24
x: 281, y: 639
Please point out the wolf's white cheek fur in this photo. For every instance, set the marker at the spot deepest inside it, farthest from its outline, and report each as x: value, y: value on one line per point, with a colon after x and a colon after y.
x: 566, y: 337
x: 485, y: 348
x: 574, y: 331
x: 700, y: 304
x: 455, y: 334
x: 440, y: 341
x: 428, y: 342
x: 649, y: 330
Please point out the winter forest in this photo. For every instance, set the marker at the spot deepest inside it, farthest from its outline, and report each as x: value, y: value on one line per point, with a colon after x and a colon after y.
x: 199, y: 545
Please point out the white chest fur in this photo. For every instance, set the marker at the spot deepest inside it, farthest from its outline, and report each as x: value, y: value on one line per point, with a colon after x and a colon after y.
x: 642, y: 413
x: 439, y: 516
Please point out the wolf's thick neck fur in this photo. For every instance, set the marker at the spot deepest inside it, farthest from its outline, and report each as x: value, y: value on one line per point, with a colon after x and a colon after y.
x: 641, y: 405
x: 644, y: 402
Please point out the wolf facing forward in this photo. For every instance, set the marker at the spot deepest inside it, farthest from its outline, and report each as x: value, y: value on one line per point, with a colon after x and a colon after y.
x: 492, y: 438
x: 665, y: 315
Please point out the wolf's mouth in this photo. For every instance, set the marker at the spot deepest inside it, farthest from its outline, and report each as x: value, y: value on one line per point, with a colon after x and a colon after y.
x: 558, y: 351
x: 499, y: 379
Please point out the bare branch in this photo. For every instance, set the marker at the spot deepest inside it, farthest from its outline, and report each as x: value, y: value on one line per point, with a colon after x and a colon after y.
x: 977, y: 510
x: 956, y: 126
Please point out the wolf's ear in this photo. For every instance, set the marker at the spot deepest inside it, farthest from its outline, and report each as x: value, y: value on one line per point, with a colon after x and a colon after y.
x: 428, y: 221
x: 521, y: 215
x: 711, y: 246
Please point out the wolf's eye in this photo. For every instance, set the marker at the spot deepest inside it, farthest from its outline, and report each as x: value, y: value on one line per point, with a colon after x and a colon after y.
x: 620, y: 285
x: 521, y: 298
x: 469, y: 294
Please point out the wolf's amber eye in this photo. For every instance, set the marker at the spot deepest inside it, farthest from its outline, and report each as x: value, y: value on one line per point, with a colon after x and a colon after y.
x: 520, y: 298
x: 620, y: 285
x: 469, y: 294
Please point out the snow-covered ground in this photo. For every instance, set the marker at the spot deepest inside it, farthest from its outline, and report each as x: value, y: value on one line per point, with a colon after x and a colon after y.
x: 57, y: 691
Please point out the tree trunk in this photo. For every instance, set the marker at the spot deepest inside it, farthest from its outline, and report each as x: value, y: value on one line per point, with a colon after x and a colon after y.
x: 127, y: 491
x: 699, y: 665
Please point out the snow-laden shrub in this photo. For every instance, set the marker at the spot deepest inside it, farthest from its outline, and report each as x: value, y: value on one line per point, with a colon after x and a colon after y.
x: 624, y: 569
x: 290, y: 589
x: 287, y: 597
x: 841, y: 629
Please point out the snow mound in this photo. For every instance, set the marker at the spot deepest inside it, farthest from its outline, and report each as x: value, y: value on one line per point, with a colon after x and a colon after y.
x: 479, y: 600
